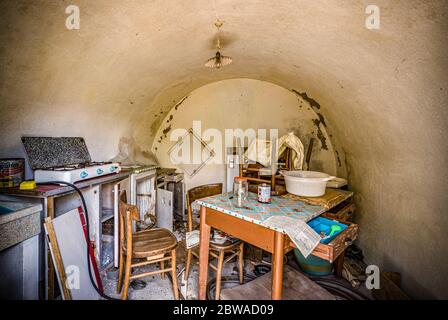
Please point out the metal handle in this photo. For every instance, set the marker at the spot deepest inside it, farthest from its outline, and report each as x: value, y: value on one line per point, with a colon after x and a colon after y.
x: 348, y: 241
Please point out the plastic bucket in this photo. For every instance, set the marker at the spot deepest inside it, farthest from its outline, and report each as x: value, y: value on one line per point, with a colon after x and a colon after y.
x: 313, y: 265
x: 306, y: 183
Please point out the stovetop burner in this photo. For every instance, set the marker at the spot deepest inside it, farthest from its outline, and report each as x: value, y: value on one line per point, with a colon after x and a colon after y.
x: 64, y: 159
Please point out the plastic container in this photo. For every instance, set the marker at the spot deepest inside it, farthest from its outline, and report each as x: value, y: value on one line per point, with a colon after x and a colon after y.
x: 11, y: 172
x: 312, y: 265
x: 306, y: 183
x: 323, y: 225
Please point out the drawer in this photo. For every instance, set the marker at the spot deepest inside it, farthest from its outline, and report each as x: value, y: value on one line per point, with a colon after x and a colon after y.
x: 344, y: 213
x: 333, y: 249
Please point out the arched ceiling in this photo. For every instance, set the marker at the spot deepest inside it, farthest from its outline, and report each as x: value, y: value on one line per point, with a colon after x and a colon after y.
x: 135, y: 59
x: 382, y: 91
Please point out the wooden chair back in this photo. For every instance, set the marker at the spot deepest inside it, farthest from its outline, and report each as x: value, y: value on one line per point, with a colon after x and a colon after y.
x: 127, y: 214
x: 200, y: 192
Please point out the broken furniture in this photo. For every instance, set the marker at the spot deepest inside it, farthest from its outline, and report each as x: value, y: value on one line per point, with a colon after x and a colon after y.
x: 170, y: 197
x: 148, y: 246
x: 218, y: 251
x: 19, y: 250
x: 246, y: 224
x: 67, y: 239
x: 296, y: 287
x: 142, y: 181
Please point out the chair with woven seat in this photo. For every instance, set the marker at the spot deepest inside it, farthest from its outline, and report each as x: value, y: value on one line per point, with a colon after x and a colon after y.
x: 218, y: 251
x: 147, y: 247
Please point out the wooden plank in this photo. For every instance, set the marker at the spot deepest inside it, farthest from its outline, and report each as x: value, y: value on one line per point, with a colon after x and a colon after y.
x: 74, y: 253
x: 50, y: 269
x: 57, y: 258
x: 203, y: 254
x: 296, y: 287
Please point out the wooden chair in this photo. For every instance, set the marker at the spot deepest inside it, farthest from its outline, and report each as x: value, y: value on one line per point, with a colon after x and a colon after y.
x: 217, y: 251
x: 147, y: 247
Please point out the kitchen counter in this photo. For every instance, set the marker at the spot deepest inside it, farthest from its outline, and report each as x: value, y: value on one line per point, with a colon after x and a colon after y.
x: 19, y: 221
x: 49, y: 190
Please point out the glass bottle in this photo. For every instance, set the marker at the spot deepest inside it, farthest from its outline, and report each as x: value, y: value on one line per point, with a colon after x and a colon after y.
x: 240, y: 191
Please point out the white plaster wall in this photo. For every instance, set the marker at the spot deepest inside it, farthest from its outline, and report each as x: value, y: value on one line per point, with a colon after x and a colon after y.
x: 243, y: 104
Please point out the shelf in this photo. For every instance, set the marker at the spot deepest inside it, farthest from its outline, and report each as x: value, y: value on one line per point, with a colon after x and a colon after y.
x: 106, y: 214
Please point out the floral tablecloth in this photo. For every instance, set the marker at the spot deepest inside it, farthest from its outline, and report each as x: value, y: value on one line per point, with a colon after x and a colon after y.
x: 257, y: 212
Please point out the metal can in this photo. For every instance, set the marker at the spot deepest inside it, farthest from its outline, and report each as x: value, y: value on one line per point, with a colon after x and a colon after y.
x: 11, y: 172
x: 264, y: 193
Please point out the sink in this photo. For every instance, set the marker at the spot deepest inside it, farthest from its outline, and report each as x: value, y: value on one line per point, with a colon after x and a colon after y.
x: 19, y: 221
x: 4, y: 210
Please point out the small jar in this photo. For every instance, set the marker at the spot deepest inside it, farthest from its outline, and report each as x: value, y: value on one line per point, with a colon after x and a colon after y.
x: 240, y: 191
x: 264, y: 193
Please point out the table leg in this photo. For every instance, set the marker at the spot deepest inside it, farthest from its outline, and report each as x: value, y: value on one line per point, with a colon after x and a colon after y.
x: 277, y: 266
x: 339, y: 265
x: 203, y: 254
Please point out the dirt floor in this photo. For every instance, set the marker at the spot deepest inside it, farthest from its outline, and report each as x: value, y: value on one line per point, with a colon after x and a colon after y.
x: 161, y: 289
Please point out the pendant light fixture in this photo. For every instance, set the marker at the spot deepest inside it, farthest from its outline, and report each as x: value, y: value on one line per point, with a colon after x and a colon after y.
x: 218, y: 60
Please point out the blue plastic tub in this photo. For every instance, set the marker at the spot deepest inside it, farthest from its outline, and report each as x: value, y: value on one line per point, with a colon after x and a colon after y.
x: 320, y: 225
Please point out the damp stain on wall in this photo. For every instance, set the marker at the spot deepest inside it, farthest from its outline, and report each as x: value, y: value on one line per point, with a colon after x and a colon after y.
x: 321, y: 119
x: 313, y: 103
x: 180, y: 102
x: 320, y: 134
x: 338, y: 158
x: 166, y: 130
x: 317, y: 122
x: 168, y: 127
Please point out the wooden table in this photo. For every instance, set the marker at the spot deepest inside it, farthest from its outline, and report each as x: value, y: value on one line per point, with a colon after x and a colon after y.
x: 246, y: 224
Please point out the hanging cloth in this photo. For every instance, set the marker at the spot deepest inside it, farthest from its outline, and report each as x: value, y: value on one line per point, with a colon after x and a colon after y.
x: 292, y: 141
x: 259, y: 150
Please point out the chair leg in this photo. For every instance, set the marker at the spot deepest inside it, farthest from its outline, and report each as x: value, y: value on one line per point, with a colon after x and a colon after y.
x: 241, y: 262
x: 187, y: 264
x: 174, y: 274
x: 162, y: 266
x: 120, y: 271
x: 218, y: 275
x: 127, y: 276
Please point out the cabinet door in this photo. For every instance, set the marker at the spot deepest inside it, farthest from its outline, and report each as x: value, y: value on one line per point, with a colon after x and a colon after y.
x: 164, y: 209
x: 143, y: 193
x: 118, y: 187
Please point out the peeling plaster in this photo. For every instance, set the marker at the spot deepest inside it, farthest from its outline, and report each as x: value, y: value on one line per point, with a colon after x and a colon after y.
x: 320, y: 135
x: 313, y: 103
